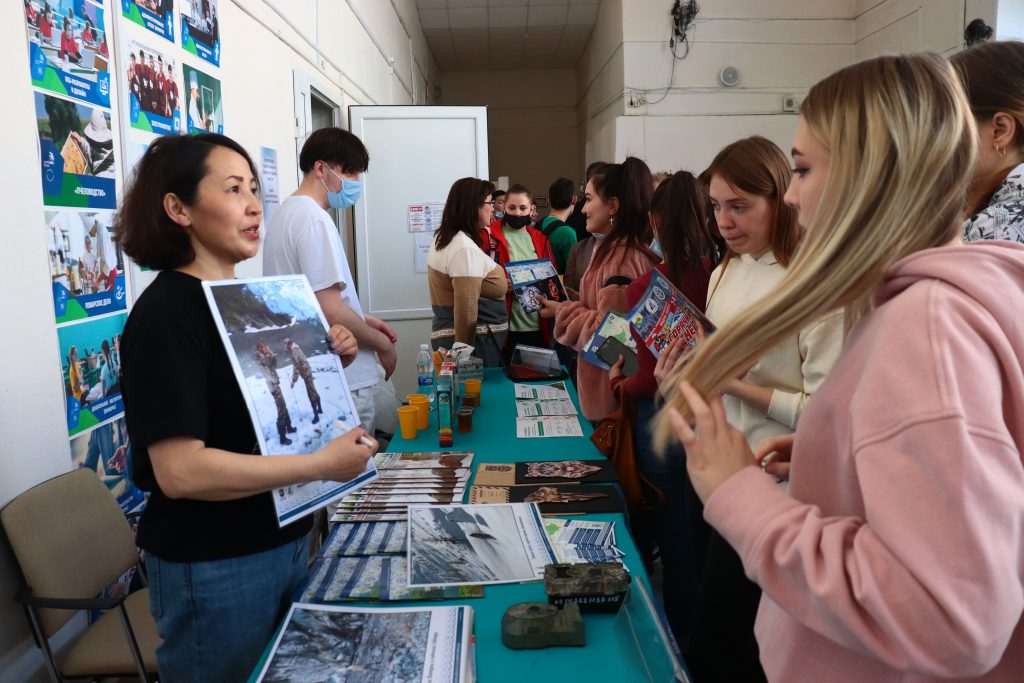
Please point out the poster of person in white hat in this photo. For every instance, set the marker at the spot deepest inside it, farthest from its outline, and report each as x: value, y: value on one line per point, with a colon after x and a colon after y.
x: 200, y: 29
x: 151, y: 86
x: 155, y: 15
x: 68, y: 53
x: 203, y: 108
x: 86, y: 265
x: 77, y: 161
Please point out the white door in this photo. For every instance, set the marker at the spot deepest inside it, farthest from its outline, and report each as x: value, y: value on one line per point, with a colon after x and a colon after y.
x: 416, y: 153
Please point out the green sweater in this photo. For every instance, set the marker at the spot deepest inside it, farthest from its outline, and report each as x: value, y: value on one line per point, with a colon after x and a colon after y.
x: 562, y: 238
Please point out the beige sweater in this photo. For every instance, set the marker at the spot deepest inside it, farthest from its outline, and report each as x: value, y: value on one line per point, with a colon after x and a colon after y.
x: 794, y: 369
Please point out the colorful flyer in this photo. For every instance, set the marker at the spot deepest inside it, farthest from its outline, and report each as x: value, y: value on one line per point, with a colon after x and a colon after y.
x: 663, y: 315
x: 612, y: 326
x: 90, y: 358
x: 68, y: 53
x: 154, y: 15
x: 86, y: 265
x: 106, y: 451
x: 202, y: 103
x: 77, y: 165
x: 200, y: 29
x: 532, y: 279
x: 151, y: 85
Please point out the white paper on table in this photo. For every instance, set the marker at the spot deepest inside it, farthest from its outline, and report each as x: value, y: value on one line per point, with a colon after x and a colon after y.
x: 455, y: 545
x: 421, y: 245
x: 547, y: 426
x: 427, y: 644
x: 551, y: 406
x: 542, y: 391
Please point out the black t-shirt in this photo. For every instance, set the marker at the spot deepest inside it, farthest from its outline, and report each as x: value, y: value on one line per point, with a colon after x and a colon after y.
x: 177, y: 381
x: 577, y: 220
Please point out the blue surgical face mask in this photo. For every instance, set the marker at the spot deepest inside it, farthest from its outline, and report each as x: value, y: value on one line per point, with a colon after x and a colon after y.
x: 656, y: 248
x: 351, y: 191
x: 499, y: 214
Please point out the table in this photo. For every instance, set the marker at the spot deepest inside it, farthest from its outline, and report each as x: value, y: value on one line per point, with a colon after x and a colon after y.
x: 493, y: 439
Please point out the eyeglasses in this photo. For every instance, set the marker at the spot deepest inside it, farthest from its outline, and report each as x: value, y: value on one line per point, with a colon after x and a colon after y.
x: 490, y: 203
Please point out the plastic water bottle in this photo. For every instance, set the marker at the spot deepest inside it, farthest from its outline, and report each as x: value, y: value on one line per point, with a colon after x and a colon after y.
x: 425, y: 368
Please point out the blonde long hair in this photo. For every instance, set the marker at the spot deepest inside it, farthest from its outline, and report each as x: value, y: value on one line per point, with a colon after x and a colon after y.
x: 902, y: 146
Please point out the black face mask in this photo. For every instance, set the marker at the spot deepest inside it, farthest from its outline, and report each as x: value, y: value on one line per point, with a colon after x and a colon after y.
x: 517, y: 222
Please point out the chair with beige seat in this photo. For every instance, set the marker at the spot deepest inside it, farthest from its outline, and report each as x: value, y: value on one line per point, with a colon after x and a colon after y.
x: 71, y: 540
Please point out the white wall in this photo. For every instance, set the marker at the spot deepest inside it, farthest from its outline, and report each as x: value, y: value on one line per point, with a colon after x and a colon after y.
x: 890, y: 26
x: 780, y: 48
x: 260, y: 50
x: 531, y: 121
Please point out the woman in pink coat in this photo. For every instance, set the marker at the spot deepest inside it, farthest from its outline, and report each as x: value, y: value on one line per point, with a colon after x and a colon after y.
x: 898, y: 554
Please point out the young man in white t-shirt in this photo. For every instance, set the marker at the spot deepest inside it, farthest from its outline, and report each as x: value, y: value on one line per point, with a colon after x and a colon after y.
x: 302, y: 238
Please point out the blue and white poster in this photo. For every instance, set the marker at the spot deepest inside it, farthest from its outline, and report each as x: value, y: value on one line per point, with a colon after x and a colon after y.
x: 86, y: 264
x: 68, y: 49
x: 200, y: 29
x: 77, y: 164
x: 153, y: 89
x: 154, y: 15
x: 203, y: 112
x: 90, y: 358
x: 106, y: 451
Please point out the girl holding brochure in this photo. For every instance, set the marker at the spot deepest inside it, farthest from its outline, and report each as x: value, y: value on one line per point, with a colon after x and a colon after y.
x: 618, y: 199
x: 681, y: 227
x: 747, y: 181
x: 221, y: 572
x: 897, y: 554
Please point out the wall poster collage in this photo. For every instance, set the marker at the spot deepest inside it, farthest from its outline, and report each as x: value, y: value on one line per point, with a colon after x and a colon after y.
x: 102, y: 94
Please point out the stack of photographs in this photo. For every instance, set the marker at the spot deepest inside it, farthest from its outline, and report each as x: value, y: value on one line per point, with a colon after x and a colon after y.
x: 332, y: 643
x: 405, y: 479
x: 455, y: 545
x: 367, y: 561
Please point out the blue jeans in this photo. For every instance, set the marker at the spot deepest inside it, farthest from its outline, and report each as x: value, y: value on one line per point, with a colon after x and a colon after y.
x: 217, y: 617
x: 678, y: 523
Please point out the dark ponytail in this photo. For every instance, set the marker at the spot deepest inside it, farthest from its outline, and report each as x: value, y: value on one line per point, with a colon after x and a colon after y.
x: 631, y: 183
x: 680, y: 207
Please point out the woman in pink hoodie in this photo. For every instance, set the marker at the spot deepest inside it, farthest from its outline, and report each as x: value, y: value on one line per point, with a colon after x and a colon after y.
x: 898, y: 554
x: 618, y: 201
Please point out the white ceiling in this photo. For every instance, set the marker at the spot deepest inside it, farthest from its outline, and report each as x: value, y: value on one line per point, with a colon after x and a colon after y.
x: 507, y: 34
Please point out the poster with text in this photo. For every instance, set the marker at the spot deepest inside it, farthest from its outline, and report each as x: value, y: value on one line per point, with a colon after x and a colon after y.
x: 86, y: 265
x: 151, y: 82
x: 77, y: 164
x: 200, y: 29
x: 155, y: 15
x: 68, y: 49
x: 106, y: 451
x: 202, y: 105
x: 270, y: 191
x: 90, y: 359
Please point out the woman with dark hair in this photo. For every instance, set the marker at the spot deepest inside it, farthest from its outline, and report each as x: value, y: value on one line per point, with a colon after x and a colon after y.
x: 467, y: 288
x: 221, y: 571
x: 993, y: 76
x: 680, y: 219
x: 618, y: 199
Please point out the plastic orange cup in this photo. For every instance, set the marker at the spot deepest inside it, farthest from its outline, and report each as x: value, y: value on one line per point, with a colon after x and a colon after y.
x: 437, y: 362
x: 473, y: 386
x: 407, y: 417
x: 422, y: 403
